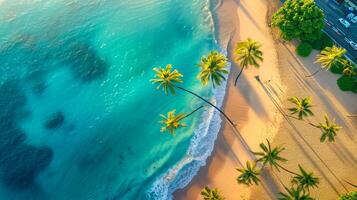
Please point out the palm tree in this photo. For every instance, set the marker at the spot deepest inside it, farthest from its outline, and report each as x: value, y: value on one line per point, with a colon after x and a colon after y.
x: 329, y: 129
x: 171, y: 121
x: 328, y: 57
x: 305, y: 180
x: 295, y: 194
x: 248, y: 53
x: 349, y: 68
x: 167, y: 79
x: 249, y: 175
x: 213, y: 68
x: 211, y: 194
x: 302, y: 107
x: 271, y: 156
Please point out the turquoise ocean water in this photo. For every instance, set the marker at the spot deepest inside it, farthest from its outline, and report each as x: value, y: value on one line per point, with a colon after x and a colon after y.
x: 79, y: 117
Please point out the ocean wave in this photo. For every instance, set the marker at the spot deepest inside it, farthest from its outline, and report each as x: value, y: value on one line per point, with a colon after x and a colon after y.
x: 201, y: 145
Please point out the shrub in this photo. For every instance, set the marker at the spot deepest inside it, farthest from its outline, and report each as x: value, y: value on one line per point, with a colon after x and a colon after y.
x: 349, y: 196
x: 321, y: 43
x: 346, y: 83
x: 337, y: 68
x: 304, y: 49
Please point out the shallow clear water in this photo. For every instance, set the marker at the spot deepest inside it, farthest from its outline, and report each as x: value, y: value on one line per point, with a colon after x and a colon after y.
x: 78, y: 114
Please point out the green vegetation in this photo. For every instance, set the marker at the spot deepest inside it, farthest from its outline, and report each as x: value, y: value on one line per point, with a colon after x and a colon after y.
x: 304, y: 49
x: 329, y: 129
x: 213, y: 68
x: 271, y: 156
x: 328, y: 57
x: 248, y: 53
x: 168, y: 79
x: 299, y: 19
x: 211, y: 194
x: 349, y: 196
x: 322, y: 42
x: 249, y: 174
x: 305, y: 180
x: 171, y: 122
x: 347, y: 83
x: 295, y: 194
x: 337, y: 68
x: 302, y: 107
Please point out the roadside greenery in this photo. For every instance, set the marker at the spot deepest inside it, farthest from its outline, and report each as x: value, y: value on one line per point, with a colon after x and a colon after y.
x: 299, y: 19
x: 347, y: 83
x: 322, y: 42
x: 304, y: 49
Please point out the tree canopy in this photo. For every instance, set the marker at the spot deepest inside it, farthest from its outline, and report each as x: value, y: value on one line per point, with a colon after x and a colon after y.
x: 300, y: 19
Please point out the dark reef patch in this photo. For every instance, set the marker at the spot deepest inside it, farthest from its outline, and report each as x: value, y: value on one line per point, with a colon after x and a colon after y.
x: 19, y: 162
x: 23, y: 163
x: 54, y: 121
x: 85, y: 63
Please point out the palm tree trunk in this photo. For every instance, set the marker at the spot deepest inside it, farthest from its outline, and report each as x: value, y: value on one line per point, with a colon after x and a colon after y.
x: 198, y: 96
x: 240, y: 73
x: 192, y: 112
x: 313, y: 74
x: 314, y: 125
x: 351, y: 184
x: 291, y: 172
x: 294, y: 117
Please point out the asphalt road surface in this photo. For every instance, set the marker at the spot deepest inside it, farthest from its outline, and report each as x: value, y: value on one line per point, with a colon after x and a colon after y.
x: 335, y: 29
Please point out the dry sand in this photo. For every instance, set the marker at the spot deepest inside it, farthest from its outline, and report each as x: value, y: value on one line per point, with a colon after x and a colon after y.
x: 253, y: 106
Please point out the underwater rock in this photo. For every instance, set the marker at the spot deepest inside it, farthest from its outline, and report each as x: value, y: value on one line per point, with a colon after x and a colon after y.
x: 86, y: 64
x: 39, y: 88
x: 22, y: 165
x: 55, y: 120
x: 19, y: 162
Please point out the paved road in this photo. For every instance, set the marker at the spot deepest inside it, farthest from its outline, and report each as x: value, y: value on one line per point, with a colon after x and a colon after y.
x: 334, y: 28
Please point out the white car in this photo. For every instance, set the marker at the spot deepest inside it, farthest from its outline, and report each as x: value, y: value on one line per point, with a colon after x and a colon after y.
x: 344, y: 22
x: 352, y: 18
x: 353, y: 45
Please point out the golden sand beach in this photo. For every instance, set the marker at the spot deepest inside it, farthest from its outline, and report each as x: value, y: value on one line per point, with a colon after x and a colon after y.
x: 256, y: 107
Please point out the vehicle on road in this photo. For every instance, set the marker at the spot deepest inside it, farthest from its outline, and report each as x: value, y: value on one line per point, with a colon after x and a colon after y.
x: 353, y: 45
x: 344, y: 22
x: 352, y: 17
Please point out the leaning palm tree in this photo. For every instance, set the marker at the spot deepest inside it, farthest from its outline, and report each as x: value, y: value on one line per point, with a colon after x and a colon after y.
x: 167, y: 79
x: 213, y: 68
x: 305, y: 180
x: 329, y: 129
x: 302, y: 107
x: 295, y: 194
x: 171, y: 122
x: 211, y: 194
x: 271, y: 156
x: 248, y: 53
x: 249, y: 174
x: 328, y: 57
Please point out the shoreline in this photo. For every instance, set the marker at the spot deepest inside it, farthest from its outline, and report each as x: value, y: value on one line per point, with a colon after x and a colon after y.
x: 229, y: 152
x: 205, y: 136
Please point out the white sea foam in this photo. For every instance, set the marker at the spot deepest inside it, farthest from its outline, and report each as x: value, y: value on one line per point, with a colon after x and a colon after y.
x: 201, y: 145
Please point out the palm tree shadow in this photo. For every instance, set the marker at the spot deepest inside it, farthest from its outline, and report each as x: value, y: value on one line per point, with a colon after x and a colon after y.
x: 245, y: 88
